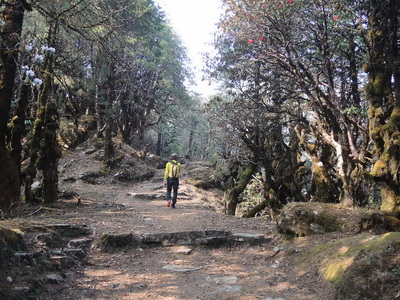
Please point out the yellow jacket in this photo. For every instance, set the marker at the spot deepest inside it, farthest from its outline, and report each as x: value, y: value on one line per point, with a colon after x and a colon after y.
x: 168, y: 169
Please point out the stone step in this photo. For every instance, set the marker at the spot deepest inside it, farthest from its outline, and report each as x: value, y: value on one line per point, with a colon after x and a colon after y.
x: 212, y: 238
x: 157, y: 196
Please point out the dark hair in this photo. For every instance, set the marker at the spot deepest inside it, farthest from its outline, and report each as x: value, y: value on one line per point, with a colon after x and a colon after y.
x: 174, y: 156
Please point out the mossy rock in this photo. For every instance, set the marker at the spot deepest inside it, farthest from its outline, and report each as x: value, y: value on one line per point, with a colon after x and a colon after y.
x: 10, y: 240
x: 201, y: 175
x: 91, y: 177
x: 111, y: 242
x: 361, y: 267
x: 310, y: 218
x: 204, y: 184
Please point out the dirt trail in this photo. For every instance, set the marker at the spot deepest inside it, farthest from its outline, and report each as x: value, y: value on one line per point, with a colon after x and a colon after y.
x: 192, y: 272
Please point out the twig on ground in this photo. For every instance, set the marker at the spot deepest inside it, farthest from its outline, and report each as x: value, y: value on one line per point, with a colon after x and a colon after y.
x: 36, y: 211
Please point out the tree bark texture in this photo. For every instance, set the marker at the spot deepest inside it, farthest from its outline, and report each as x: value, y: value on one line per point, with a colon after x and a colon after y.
x: 383, y: 94
x: 108, y: 144
x: 50, y: 153
x: 322, y: 186
x: 36, y: 155
x: 17, y: 125
x: 13, y: 15
x: 232, y: 195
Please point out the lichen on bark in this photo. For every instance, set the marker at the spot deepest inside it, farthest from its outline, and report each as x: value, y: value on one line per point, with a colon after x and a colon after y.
x: 382, y: 92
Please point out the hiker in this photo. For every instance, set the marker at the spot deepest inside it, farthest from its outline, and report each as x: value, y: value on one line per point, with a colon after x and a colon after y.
x: 171, y: 179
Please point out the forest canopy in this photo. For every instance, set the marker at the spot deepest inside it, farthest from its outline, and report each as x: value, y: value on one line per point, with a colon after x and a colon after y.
x: 309, y: 106
x: 312, y: 98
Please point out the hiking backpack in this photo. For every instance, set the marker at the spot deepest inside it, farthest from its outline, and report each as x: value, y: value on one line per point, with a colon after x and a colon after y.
x: 174, y: 170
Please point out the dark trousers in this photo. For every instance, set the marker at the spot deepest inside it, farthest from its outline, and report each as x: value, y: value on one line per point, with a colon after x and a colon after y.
x: 172, y: 184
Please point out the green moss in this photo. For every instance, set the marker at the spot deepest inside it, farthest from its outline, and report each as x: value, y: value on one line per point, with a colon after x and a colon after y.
x: 329, y: 221
x: 369, y: 88
x: 390, y: 199
x: 11, y: 236
x: 378, y: 84
x: 335, y: 257
x: 10, y: 240
x: 394, y: 121
x: 334, y: 271
x: 375, y: 133
x: 38, y: 123
x: 380, y: 169
x: 119, y: 157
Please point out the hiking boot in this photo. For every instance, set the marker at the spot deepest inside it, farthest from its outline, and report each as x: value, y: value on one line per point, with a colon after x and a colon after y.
x: 173, y: 206
x: 169, y: 203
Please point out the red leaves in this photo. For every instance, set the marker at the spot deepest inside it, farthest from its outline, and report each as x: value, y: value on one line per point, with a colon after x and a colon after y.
x: 251, y: 41
x: 289, y: 2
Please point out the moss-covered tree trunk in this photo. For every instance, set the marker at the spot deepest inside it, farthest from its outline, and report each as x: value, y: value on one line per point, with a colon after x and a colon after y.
x: 232, y: 195
x: 17, y: 126
x: 36, y: 155
x: 49, y: 155
x: 322, y: 186
x: 12, y: 19
x: 383, y: 94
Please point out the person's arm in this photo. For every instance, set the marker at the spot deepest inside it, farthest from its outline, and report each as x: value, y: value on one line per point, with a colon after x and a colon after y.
x: 166, y: 171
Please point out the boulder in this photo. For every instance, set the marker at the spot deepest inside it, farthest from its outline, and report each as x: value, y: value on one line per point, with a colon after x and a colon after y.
x: 361, y: 267
x: 310, y: 218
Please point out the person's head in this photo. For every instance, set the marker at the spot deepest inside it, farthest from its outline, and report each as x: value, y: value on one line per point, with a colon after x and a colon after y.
x: 174, y: 156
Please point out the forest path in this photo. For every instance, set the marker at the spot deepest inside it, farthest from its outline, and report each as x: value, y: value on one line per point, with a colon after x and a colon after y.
x: 175, y: 272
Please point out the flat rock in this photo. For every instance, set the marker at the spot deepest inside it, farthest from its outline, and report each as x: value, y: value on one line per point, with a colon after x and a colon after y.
x: 75, y: 252
x: 80, y: 243
x: 147, y: 196
x: 249, y: 238
x: 182, y: 250
x: 186, y: 238
x: 24, y: 289
x: 224, y: 279
x: 54, y: 278
x: 176, y: 268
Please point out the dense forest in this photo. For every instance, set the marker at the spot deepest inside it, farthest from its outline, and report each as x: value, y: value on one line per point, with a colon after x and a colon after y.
x: 308, y: 110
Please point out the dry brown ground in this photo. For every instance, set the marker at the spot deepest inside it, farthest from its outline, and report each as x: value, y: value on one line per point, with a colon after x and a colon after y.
x: 269, y: 271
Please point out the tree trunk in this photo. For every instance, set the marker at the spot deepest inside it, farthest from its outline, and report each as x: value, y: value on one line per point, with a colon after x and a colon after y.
x: 9, y: 180
x: 159, y: 143
x: 50, y: 153
x: 12, y: 16
x: 191, y: 137
x: 18, y: 126
x: 232, y: 196
x: 36, y: 148
x: 108, y: 144
x: 97, y: 112
x: 383, y: 95
x: 347, y: 192
x: 322, y: 186
x: 256, y: 209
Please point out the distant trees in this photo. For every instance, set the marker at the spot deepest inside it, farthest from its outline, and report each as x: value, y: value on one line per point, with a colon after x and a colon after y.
x: 293, y: 74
